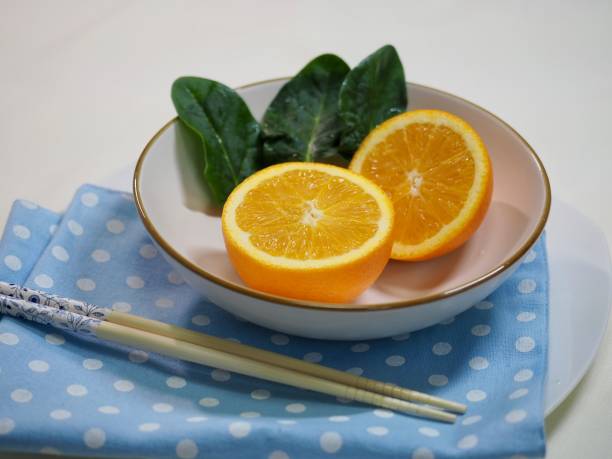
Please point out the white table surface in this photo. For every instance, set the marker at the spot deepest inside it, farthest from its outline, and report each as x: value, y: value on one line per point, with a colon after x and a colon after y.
x: 84, y: 85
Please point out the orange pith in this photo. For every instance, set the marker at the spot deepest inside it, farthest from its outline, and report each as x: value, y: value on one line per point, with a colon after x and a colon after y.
x: 436, y: 171
x: 308, y: 231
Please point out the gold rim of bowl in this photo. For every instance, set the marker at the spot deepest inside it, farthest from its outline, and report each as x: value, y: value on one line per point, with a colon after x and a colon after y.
x: 513, y: 258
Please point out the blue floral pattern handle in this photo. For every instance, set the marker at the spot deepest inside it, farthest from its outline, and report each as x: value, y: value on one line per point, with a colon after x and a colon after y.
x: 48, y: 315
x: 54, y: 301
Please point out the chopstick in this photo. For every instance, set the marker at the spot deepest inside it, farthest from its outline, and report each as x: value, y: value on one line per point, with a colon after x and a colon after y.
x: 64, y: 319
x: 183, y: 334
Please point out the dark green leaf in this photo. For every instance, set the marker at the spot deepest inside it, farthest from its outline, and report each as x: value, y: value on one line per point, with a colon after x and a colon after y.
x: 229, y: 133
x: 372, y: 92
x: 302, y: 122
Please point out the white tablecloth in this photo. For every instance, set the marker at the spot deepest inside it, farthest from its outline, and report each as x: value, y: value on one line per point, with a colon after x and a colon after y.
x: 85, y: 84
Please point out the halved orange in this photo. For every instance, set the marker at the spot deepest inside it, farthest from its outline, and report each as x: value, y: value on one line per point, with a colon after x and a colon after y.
x: 308, y: 230
x: 436, y: 170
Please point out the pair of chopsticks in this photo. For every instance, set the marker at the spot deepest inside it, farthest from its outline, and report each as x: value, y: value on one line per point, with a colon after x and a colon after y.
x: 184, y: 344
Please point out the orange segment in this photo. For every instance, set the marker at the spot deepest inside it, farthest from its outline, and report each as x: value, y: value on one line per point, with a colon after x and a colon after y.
x: 436, y: 170
x: 309, y: 231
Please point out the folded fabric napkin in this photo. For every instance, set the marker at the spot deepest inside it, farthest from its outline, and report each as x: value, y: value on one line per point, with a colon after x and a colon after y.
x: 62, y: 392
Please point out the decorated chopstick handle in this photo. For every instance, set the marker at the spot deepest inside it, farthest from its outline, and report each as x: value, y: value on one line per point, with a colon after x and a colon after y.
x: 54, y: 301
x: 66, y: 320
x: 47, y: 315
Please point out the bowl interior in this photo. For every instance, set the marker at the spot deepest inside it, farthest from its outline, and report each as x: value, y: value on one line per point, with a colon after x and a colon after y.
x: 174, y: 198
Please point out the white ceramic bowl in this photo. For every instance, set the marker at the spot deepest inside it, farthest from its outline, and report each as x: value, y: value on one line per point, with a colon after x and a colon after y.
x: 174, y: 207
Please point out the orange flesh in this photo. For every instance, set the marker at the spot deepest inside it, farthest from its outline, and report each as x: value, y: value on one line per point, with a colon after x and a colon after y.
x: 308, y: 215
x: 427, y: 170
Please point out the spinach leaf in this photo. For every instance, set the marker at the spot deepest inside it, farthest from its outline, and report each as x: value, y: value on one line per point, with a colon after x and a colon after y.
x: 302, y: 122
x: 230, y: 135
x: 372, y: 92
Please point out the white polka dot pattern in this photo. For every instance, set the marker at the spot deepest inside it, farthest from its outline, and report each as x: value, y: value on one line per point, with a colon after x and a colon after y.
x: 89, y: 199
x: 94, y: 438
x: 123, y: 385
x: 194, y: 419
x: 162, y: 407
x: 75, y: 228
x: 481, y: 330
x: 468, y: 442
x: 149, y: 427
x: 44, y: 281
x: 148, y: 251
x: 468, y: 421
x: 176, y: 382
x: 175, y: 278
x: 122, y: 306
x: 260, y: 394
x: 523, y: 375
x: 476, y: 395
x: 525, y: 344
x: 278, y: 454
x: 313, y: 357
x: 76, y: 390
x: 360, y: 347
x: 525, y: 316
x: 21, y: 395
x: 429, y: 432
x: 489, y: 356
x: 138, y: 356
x: 484, y: 305
x: 10, y: 339
x: 527, y: 286
x: 339, y: 419
x: 518, y: 393
x: 115, y: 226
x: 295, y: 408
x: 186, y: 449
x: 331, y: 442
x: 355, y: 371
x: 135, y: 282
x: 38, y: 366
x: 423, y: 453
x: 438, y: 380
x: 55, y: 339
x: 109, y: 409
x: 515, y: 416
x: 395, y: 360
x: 402, y: 337
x: 442, y: 348
x: 531, y: 255
x: 479, y: 363
x: 92, y: 364
x: 22, y: 232
x: 60, y: 253
x: 60, y: 415
x: 100, y: 255
x: 209, y: 402
x: 85, y: 284
x: 6, y: 426
x: 13, y: 262
x: 379, y: 431
x: 200, y: 320
x: 220, y: 375
x: 239, y: 429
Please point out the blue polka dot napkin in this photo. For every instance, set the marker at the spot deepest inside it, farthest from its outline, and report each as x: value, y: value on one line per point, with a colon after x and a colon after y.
x: 62, y: 392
